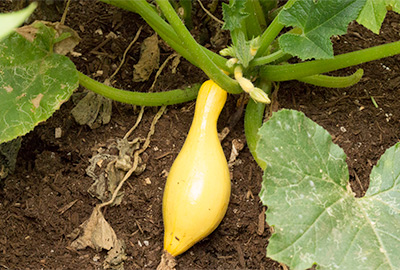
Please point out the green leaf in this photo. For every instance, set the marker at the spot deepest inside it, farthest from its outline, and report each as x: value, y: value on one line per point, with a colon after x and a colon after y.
x: 9, y: 21
x: 233, y: 14
x: 374, y: 12
x: 242, y: 50
x: 318, y: 22
x: 33, y: 82
x: 315, y: 215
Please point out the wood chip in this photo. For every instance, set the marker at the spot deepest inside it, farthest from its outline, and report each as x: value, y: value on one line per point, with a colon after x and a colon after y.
x: 241, y: 255
x: 261, y: 222
x: 63, y: 209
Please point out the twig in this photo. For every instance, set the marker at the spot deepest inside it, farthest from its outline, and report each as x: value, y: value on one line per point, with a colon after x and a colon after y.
x: 136, y: 124
x: 64, y: 16
x: 209, y: 13
x: 161, y: 68
x: 126, y: 51
x: 359, y: 182
x: 63, y: 209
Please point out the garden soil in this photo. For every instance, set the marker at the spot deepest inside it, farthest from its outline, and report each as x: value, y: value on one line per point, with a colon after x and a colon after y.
x: 47, y: 198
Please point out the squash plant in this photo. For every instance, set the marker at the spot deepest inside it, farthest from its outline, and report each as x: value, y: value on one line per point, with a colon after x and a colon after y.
x: 329, y: 220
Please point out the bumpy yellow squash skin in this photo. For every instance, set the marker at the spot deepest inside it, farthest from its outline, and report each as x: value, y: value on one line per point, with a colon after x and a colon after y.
x: 198, y: 187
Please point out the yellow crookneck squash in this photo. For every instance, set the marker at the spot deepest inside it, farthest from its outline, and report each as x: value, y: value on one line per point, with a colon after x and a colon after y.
x: 198, y: 186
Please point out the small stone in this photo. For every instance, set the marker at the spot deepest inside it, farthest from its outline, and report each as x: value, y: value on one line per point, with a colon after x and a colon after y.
x: 58, y: 133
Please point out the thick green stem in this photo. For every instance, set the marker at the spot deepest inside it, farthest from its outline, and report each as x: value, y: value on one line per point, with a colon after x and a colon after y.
x: 253, y: 120
x: 271, y: 32
x: 187, y: 12
x: 333, y: 81
x: 137, y: 98
x: 255, y: 20
x: 300, y: 70
x: 203, y: 61
x: 165, y: 31
x: 267, y: 59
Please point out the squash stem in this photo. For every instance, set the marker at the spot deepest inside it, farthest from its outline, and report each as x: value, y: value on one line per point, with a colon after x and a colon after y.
x: 253, y: 120
x: 333, y: 81
x: 300, y: 70
x: 138, y: 98
x: 271, y: 32
x: 202, y: 59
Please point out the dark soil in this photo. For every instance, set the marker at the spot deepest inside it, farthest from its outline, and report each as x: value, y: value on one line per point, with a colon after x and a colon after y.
x: 47, y: 198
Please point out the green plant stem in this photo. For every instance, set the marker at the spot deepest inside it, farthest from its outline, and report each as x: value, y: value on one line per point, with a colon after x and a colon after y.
x: 333, y: 81
x: 166, y: 32
x: 267, y: 59
x: 203, y: 61
x: 253, y: 120
x: 271, y: 32
x: 255, y: 19
x: 137, y: 98
x: 300, y: 70
x: 187, y: 12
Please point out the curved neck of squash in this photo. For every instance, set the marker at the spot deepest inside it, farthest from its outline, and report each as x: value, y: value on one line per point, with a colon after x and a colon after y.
x: 209, y: 104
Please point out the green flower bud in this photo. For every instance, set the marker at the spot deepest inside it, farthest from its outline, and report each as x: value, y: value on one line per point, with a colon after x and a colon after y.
x: 231, y: 62
x: 258, y: 95
x: 228, y: 51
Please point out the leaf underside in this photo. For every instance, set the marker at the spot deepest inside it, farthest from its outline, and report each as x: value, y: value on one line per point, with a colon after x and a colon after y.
x: 316, y: 217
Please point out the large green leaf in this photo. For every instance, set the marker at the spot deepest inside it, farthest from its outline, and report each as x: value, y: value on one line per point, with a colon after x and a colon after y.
x: 374, y: 12
x: 315, y: 215
x: 9, y: 21
x: 318, y: 22
x: 234, y: 14
x: 33, y: 82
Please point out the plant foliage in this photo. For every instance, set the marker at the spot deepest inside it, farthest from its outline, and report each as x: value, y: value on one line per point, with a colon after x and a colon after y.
x: 315, y: 215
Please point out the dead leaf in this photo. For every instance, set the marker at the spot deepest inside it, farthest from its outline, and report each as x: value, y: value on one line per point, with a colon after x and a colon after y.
x: 63, y: 47
x: 175, y: 63
x: 95, y: 233
x: 237, y: 146
x: 149, y: 59
x: 8, y: 156
x: 66, y: 45
x: 168, y: 262
x: 28, y: 32
x: 108, y: 176
x: 115, y: 257
x: 93, y: 110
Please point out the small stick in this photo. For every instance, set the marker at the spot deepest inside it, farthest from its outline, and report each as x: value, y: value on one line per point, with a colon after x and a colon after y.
x: 161, y: 68
x: 126, y: 51
x: 209, y: 13
x: 136, y: 124
x: 359, y: 182
x: 64, y: 16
